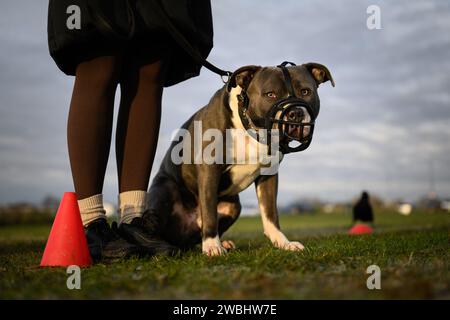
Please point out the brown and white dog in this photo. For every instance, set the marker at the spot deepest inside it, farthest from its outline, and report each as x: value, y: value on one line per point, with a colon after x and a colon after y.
x: 197, y: 201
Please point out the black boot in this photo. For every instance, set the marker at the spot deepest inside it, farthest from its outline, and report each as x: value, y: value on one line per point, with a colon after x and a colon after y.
x: 105, y: 244
x: 137, y: 232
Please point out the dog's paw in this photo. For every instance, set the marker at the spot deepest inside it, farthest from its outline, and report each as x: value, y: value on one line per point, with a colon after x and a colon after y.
x: 212, y: 251
x: 293, y: 246
x: 228, y: 244
x: 212, y: 247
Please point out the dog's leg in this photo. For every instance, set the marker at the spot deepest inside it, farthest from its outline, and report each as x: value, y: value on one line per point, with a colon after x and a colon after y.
x: 174, y: 213
x: 229, y: 209
x: 208, y: 182
x: 266, y: 190
x: 160, y: 204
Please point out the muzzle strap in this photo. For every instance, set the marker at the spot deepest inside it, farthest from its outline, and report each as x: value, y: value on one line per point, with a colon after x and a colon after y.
x: 287, y: 77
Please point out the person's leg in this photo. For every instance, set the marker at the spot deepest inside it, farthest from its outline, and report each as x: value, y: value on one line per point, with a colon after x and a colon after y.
x: 89, y: 138
x: 136, y: 140
x: 137, y: 134
x: 89, y: 131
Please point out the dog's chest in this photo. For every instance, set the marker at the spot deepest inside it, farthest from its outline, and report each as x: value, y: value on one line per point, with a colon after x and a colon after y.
x: 240, y: 177
x: 249, y: 159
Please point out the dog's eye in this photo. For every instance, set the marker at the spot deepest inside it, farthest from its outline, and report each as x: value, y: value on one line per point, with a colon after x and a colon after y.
x: 305, y: 92
x: 271, y: 95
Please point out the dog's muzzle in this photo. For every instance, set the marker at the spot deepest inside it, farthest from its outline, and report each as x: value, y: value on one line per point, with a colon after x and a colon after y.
x: 292, y: 118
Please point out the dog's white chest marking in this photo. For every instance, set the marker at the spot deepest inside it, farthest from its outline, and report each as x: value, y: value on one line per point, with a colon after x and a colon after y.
x: 242, y: 176
x: 249, y: 157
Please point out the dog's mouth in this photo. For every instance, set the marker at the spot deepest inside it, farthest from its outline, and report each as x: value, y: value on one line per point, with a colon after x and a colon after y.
x: 297, y: 124
x: 289, y: 122
x: 297, y: 132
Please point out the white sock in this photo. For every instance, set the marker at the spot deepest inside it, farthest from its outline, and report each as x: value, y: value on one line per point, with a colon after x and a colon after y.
x: 132, y: 204
x: 91, y: 209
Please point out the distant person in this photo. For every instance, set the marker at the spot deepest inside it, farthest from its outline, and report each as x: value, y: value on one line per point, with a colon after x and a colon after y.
x: 362, y: 211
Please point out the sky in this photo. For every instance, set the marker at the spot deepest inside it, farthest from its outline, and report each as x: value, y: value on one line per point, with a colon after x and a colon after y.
x: 385, y: 127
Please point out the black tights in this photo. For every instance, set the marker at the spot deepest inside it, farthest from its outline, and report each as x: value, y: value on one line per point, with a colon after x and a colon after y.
x: 90, y: 122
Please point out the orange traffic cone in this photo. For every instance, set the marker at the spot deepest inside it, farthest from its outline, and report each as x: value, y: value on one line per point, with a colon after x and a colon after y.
x: 360, y: 228
x: 66, y: 244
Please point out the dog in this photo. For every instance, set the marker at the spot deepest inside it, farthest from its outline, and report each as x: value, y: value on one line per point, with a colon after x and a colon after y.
x: 195, y: 202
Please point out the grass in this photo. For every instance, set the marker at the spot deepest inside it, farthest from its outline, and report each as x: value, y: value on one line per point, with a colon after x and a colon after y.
x: 412, y: 252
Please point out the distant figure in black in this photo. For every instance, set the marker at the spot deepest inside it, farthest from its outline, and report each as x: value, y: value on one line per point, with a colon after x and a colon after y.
x: 362, y: 211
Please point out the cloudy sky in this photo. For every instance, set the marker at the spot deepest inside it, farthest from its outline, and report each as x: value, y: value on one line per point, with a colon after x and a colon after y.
x: 385, y: 126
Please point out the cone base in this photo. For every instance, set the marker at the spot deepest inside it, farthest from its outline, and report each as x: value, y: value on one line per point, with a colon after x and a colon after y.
x: 360, y: 228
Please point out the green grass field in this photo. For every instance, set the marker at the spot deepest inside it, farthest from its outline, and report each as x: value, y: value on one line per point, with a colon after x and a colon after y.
x: 412, y: 252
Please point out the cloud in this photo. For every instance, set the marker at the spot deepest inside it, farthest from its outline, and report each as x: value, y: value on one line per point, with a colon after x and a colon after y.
x: 382, y: 127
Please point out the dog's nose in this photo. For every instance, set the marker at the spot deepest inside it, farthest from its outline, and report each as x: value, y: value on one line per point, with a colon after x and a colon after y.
x: 296, y: 115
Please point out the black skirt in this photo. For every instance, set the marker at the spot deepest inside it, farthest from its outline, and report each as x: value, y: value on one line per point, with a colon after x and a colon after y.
x: 79, y: 30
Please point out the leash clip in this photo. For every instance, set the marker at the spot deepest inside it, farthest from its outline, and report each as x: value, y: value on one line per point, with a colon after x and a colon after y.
x: 226, y: 77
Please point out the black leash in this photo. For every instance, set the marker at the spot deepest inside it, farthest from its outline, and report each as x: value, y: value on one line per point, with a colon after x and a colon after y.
x: 184, y: 43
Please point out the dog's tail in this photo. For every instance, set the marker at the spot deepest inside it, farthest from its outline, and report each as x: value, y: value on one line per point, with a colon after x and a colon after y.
x: 158, y: 246
x: 150, y: 243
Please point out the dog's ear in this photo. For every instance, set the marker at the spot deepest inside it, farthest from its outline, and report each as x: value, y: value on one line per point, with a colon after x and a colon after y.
x: 242, y: 77
x: 319, y: 72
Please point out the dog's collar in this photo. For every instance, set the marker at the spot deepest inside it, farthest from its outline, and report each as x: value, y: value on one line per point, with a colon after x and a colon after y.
x: 247, y: 122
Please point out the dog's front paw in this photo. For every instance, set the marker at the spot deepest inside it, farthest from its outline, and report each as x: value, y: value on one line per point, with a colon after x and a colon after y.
x: 228, y: 244
x: 292, y: 246
x: 212, y: 247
